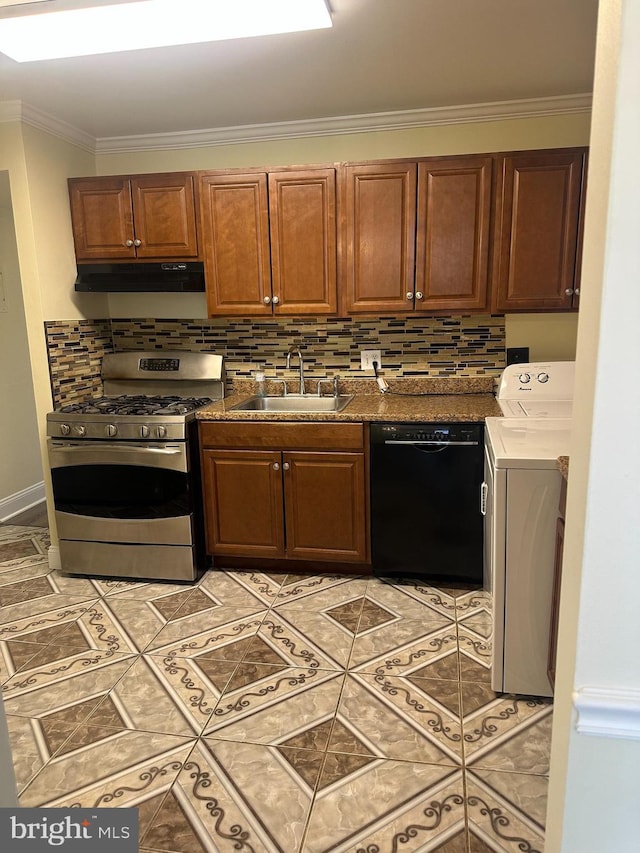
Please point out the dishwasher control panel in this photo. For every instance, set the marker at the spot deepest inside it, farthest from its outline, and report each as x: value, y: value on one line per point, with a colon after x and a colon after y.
x: 432, y: 432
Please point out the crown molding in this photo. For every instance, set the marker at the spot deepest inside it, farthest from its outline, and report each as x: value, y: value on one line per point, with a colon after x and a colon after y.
x: 332, y: 126
x: 25, y: 113
x: 608, y: 712
x: 339, y: 125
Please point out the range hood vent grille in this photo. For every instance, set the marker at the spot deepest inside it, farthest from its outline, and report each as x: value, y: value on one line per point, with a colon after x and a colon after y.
x: 170, y: 277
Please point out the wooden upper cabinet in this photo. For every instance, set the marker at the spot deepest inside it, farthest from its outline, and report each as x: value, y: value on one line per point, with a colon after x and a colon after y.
x: 452, y: 237
x: 536, y: 236
x: 378, y: 230
x: 235, y: 228
x: 129, y: 218
x: 270, y: 242
x: 302, y: 214
x: 164, y: 215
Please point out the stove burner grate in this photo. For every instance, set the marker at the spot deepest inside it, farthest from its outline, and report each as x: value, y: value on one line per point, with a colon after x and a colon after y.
x: 127, y: 404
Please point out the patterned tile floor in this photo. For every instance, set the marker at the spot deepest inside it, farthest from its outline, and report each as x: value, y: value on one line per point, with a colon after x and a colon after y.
x: 268, y: 712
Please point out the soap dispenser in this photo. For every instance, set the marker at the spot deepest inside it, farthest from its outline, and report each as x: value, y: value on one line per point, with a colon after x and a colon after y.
x: 260, y: 380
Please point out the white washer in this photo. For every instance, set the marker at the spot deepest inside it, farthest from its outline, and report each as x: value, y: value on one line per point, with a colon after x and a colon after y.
x: 537, y: 390
x: 522, y: 491
x: 522, y: 495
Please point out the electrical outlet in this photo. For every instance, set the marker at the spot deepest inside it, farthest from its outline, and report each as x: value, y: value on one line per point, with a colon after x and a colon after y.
x: 368, y: 356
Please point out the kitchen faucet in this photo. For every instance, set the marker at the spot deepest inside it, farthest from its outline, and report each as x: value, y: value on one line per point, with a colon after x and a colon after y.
x: 294, y: 350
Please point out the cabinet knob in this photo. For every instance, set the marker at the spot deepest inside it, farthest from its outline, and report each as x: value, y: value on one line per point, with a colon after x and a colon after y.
x: 137, y: 242
x: 129, y: 243
x: 419, y: 295
x: 577, y: 291
x: 276, y: 300
x: 568, y: 291
x: 285, y: 466
x: 267, y: 300
x: 410, y: 295
x: 276, y: 466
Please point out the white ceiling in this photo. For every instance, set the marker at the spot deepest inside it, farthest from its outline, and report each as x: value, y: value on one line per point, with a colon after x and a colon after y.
x: 380, y: 56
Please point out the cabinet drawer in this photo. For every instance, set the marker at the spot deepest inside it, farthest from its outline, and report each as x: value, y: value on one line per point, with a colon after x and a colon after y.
x: 284, y: 436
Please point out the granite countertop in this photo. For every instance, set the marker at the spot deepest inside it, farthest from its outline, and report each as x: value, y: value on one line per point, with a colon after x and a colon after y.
x: 455, y: 399
x: 563, y: 466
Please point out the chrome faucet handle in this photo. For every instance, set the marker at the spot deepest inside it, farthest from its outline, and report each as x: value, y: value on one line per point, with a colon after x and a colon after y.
x: 320, y: 381
x: 284, y: 385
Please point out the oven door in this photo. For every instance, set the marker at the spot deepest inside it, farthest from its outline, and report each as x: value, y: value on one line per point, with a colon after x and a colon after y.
x: 122, y: 492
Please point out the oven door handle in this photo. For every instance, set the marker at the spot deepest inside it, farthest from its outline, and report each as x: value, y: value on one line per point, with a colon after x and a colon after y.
x: 78, y: 448
x: 69, y: 454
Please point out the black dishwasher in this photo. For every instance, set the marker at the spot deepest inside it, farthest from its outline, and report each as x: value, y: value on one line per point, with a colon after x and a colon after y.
x: 426, y: 482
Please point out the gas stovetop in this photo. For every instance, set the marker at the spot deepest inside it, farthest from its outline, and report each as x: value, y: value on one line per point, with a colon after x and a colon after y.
x: 140, y: 404
x: 147, y: 395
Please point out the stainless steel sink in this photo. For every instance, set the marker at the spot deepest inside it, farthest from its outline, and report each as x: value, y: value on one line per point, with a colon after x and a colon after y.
x: 294, y: 403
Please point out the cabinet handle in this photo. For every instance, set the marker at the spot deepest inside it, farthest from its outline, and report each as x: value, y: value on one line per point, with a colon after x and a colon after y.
x: 568, y: 291
x: 276, y: 466
x: 276, y: 300
x: 410, y: 295
x: 129, y: 243
x: 577, y: 291
x: 267, y: 300
x: 285, y: 466
x: 137, y: 242
x: 419, y: 295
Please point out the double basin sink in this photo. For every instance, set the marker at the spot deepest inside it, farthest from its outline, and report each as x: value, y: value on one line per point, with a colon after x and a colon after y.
x: 294, y: 403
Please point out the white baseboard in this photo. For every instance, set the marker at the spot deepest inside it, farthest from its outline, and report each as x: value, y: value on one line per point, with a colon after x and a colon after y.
x: 53, y: 553
x: 608, y: 712
x: 21, y: 501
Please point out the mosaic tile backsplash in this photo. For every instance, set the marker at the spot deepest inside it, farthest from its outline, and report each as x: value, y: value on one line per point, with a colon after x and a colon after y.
x: 461, y: 345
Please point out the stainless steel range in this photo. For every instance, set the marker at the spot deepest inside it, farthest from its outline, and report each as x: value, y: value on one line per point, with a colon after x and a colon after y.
x: 125, y: 468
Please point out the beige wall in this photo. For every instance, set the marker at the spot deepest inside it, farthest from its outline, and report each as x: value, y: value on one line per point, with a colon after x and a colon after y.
x: 544, y: 132
x: 38, y: 165
x: 594, y: 791
x: 21, y: 467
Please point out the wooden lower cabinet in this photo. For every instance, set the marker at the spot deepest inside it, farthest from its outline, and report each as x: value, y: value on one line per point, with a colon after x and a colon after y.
x: 284, y: 503
x: 243, y: 503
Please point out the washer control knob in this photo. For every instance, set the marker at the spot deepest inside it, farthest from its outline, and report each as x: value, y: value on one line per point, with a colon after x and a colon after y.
x: 80, y: 429
x: 144, y: 431
x: 524, y: 378
x: 161, y: 431
x: 65, y: 429
x: 111, y: 430
x: 543, y: 377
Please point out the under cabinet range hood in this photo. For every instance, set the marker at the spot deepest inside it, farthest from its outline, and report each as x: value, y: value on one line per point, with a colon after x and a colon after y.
x: 166, y: 277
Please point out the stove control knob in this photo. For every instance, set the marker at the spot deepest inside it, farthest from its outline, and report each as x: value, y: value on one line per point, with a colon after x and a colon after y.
x: 161, y: 431
x: 65, y: 429
x: 144, y: 431
x: 111, y: 430
x: 543, y: 377
x: 524, y: 378
x: 80, y: 429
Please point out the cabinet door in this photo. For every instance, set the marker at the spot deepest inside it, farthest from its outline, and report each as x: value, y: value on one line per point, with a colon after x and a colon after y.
x: 235, y: 225
x: 243, y: 503
x: 302, y: 208
x: 164, y: 212
x: 102, y: 218
x: 325, y: 506
x: 452, y: 244
x: 537, y: 230
x: 379, y: 218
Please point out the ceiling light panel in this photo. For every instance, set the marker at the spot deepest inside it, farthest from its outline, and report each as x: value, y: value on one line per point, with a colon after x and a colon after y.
x: 152, y: 23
